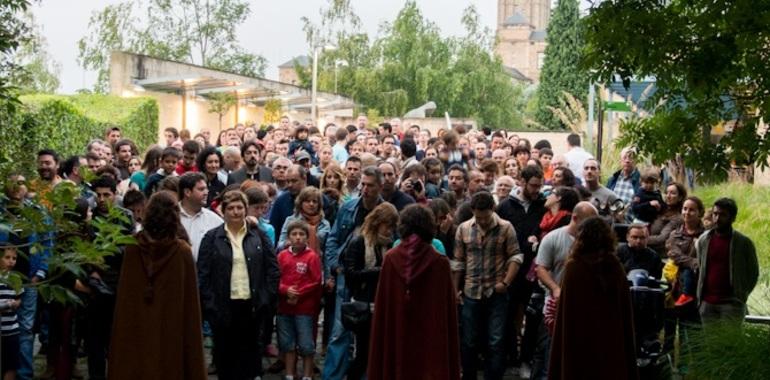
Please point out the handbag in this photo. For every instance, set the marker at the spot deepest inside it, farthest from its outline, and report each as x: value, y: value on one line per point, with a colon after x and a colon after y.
x: 355, y: 315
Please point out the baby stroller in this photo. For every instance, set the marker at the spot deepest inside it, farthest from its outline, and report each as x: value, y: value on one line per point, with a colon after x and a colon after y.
x: 648, y: 301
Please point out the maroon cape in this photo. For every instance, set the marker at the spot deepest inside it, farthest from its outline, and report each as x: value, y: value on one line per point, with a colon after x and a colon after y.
x: 414, y: 331
x: 156, y: 333
x: 594, y: 334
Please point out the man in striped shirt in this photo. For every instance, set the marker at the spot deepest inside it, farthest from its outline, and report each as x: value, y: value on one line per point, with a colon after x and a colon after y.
x: 486, y: 259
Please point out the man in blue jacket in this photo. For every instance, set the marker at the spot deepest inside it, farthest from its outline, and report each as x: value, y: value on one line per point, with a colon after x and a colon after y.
x: 350, y: 218
x: 626, y: 181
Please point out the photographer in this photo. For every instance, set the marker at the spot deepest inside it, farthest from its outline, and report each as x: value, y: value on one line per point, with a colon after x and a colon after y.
x: 413, y: 183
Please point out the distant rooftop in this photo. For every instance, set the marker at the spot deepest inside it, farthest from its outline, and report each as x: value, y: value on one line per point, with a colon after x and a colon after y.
x: 637, y: 92
x: 516, y: 74
x: 538, y: 36
x: 301, y: 60
x: 516, y: 19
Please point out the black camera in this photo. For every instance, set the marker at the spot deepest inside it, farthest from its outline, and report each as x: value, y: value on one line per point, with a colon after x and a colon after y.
x: 417, y: 186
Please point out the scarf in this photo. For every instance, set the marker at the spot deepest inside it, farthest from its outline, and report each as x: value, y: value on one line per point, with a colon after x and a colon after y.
x: 549, y: 221
x: 373, y: 251
x: 312, y: 236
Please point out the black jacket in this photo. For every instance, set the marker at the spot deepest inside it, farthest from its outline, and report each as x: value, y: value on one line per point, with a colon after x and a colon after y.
x: 263, y: 174
x: 361, y: 282
x: 215, y: 265
x: 215, y: 188
x: 526, y: 223
x: 645, y: 259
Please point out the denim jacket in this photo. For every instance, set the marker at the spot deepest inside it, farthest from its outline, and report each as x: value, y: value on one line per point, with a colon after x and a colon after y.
x: 340, y: 234
x: 322, y: 232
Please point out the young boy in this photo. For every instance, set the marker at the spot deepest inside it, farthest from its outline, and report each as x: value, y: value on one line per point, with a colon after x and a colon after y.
x: 258, y: 205
x: 647, y: 203
x: 168, y: 160
x: 300, y: 296
x: 9, y: 302
x: 301, y: 142
x: 190, y: 150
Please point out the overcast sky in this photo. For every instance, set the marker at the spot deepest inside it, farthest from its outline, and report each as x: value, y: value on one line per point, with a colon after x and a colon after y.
x: 273, y: 30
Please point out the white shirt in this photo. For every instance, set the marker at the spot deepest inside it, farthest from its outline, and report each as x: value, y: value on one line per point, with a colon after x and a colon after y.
x: 575, y: 159
x: 197, y: 225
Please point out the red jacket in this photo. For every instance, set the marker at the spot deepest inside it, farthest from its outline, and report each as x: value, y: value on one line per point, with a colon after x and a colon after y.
x: 181, y: 169
x: 302, y: 270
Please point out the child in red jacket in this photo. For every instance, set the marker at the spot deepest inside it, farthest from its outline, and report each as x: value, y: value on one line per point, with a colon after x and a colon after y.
x: 300, y: 299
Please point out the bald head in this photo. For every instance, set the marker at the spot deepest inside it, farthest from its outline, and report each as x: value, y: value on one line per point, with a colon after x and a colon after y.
x: 582, y: 211
x: 296, y: 179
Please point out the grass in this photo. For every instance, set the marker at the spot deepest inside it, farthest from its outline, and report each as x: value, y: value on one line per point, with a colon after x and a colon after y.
x: 753, y: 221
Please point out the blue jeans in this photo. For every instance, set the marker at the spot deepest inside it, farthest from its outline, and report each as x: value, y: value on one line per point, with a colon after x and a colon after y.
x: 490, y: 312
x: 338, y: 350
x: 542, y: 353
x: 687, y: 280
x: 296, y: 331
x: 26, y: 314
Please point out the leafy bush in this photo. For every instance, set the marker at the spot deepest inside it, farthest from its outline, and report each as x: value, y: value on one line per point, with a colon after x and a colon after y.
x: 67, y: 123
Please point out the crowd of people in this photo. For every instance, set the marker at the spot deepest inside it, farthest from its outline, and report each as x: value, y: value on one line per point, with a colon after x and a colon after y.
x: 390, y: 252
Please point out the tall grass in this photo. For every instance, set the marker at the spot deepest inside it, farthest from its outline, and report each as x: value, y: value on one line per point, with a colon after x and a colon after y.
x: 726, y: 352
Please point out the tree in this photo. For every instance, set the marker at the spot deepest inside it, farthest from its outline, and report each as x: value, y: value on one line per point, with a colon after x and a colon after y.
x: 220, y: 104
x: 561, y: 67
x: 709, y: 60
x: 411, y: 63
x: 201, y: 32
x: 38, y: 71
x: 13, y: 32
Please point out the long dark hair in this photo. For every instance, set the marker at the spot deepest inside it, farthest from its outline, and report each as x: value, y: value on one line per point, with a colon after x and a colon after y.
x: 161, y: 217
x: 151, y: 161
x: 594, y: 238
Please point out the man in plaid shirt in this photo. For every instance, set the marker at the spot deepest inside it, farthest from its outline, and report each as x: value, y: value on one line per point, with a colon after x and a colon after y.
x: 486, y: 260
x: 626, y: 181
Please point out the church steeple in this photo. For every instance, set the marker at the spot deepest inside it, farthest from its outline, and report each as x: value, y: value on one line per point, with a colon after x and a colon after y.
x: 537, y: 12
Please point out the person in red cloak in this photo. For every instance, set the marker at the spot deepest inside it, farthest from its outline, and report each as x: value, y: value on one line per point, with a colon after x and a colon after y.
x: 414, y: 329
x: 593, y: 334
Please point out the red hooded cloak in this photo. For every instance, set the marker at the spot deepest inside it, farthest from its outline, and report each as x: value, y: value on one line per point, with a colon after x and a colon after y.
x: 414, y: 332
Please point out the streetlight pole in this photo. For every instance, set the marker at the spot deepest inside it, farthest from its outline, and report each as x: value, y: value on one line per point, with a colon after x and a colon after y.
x: 314, y: 85
x: 314, y: 93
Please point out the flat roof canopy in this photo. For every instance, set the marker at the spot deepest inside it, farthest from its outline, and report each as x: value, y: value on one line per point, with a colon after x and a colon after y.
x: 253, y: 90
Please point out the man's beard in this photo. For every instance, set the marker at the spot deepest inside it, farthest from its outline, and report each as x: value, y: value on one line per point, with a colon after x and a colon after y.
x: 46, y: 174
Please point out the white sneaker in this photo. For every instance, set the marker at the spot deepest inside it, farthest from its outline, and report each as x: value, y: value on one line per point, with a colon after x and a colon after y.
x: 525, y: 371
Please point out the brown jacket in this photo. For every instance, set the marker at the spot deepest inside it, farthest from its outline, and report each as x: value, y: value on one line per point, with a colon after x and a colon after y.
x: 680, y: 247
x: 156, y: 333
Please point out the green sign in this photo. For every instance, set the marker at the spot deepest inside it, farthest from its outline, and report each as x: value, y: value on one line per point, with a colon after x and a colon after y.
x: 617, y: 106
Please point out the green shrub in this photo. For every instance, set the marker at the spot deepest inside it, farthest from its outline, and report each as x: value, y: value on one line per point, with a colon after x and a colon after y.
x: 67, y: 123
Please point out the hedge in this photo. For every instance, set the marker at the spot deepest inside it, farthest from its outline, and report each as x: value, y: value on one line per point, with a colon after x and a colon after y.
x: 66, y: 123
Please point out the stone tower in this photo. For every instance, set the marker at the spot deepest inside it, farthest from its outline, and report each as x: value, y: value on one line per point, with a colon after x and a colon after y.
x: 536, y: 11
x: 521, y: 26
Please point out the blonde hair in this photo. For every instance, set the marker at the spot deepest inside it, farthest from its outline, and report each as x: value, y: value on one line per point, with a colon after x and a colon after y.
x: 334, y: 169
x: 384, y: 214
